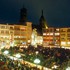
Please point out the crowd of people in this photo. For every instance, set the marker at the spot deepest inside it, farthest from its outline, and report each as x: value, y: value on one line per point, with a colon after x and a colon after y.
x: 8, y: 64
x: 52, y: 56
x: 48, y: 56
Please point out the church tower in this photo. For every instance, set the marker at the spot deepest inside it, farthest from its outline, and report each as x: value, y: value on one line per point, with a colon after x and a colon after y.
x: 42, y: 23
x: 23, y: 15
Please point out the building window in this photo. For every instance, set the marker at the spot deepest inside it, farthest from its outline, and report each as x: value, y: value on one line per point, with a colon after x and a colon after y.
x: 62, y: 38
x: 7, y: 32
x: 16, y: 28
x: 11, y: 32
x: 11, y: 28
x: 16, y: 36
x: 68, y: 35
x: 68, y: 38
x: 68, y: 30
x: 57, y: 29
x: 2, y: 27
x: 68, y: 42
x: 57, y: 34
x: 47, y: 33
x: 44, y: 30
x: 51, y: 33
x: 2, y: 32
x: 47, y: 30
x: 44, y: 33
x: 62, y: 30
x: 63, y: 43
x: 62, y: 34
x: 51, y: 30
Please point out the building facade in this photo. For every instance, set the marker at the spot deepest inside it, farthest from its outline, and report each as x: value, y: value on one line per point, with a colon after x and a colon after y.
x: 14, y: 35
x: 65, y: 37
x: 56, y: 37
x: 51, y: 37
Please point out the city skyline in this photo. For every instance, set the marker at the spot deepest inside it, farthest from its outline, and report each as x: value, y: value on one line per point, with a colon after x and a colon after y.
x: 56, y: 13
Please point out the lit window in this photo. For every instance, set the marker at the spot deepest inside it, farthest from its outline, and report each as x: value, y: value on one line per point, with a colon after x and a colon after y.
x: 63, y: 43
x: 68, y: 42
x: 51, y: 33
x: 16, y: 36
x: 47, y: 33
x: 44, y: 33
x: 57, y: 29
x: 57, y: 34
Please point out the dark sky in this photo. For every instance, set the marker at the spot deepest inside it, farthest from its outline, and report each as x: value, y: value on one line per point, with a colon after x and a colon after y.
x: 56, y: 12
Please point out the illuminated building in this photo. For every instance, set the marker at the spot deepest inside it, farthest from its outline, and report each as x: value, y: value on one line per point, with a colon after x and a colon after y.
x: 51, y: 37
x: 20, y: 34
x: 56, y: 37
x: 11, y: 35
x: 35, y: 39
x: 65, y: 37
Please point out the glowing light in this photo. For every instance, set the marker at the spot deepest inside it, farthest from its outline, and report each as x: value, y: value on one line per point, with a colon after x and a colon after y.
x: 39, y: 40
x: 68, y: 42
x: 47, y: 33
x: 46, y: 27
x: 34, y: 38
x: 44, y: 33
x: 55, y: 66
x: 46, y: 68
x: 28, y: 41
x: 15, y: 58
x: 63, y: 43
x: 36, y: 52
x: 11, y: 43
x: 57, y: 33
x: 11, y: 57
x: 51, y: 33
x: 57, y: 29
x: 68, y: 68
x: 18, y: 55
x: 37, y: 61
x: 6, y: 52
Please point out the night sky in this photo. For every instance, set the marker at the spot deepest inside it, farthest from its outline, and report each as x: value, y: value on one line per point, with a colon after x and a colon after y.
x: 56, y: 12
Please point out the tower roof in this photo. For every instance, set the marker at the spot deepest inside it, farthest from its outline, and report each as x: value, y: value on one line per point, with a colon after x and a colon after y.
x: 43, y: 21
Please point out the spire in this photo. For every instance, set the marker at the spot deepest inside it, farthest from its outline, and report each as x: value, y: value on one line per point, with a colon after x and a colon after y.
x: 42, y: 21
x: 42, y: 16
x: 42, y: 12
